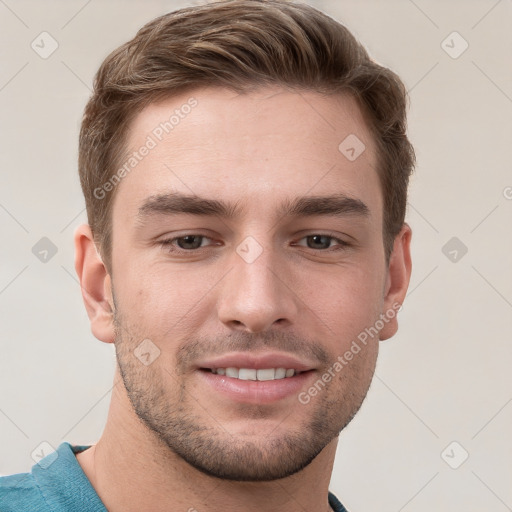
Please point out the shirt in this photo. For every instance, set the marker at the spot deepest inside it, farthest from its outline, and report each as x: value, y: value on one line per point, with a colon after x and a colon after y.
x: 57, y: 483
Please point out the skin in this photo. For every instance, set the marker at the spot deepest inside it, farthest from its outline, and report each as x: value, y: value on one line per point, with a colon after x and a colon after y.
x: 185, y: 445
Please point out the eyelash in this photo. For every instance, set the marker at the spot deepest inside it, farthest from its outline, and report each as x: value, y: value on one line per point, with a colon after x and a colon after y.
x: 169, y: 243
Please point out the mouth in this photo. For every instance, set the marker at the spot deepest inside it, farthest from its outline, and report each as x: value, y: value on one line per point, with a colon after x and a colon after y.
x: 261, y: 374
x: 255, y: 378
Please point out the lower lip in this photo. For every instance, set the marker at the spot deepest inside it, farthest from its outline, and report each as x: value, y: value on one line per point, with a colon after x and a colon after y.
x: 256, y: 391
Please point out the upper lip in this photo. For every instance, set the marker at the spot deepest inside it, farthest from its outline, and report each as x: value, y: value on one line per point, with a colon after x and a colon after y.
x: 256, y: 361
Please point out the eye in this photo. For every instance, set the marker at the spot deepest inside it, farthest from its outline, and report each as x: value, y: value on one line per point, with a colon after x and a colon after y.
x: 190, y: 243
x: 186, y: 243
x: 323, y: 241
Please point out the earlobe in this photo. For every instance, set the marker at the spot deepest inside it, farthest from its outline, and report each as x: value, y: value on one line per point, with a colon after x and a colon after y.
x: 95, y: 284
x: 397, y: 282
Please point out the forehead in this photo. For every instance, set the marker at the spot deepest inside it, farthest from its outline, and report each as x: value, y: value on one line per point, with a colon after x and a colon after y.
x: 256, y: 146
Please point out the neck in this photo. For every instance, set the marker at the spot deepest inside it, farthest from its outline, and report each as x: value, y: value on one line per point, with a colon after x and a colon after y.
x: 132, y: 470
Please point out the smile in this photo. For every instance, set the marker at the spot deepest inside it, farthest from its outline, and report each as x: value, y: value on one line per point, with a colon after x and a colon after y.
x: 255, y: 374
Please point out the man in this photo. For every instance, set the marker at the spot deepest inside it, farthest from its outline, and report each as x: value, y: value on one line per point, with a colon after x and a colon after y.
x: 245, y: 168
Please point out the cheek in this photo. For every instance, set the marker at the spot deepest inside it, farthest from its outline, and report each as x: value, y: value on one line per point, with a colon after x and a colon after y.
x: 158, y: 301
x: 347, y: 301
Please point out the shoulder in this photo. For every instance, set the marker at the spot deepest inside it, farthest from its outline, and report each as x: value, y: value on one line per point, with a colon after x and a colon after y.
x: 335, y: 504
x: 56, y: 482
x: 18, y: 491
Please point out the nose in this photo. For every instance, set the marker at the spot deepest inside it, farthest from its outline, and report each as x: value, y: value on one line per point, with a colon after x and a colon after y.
x: 255, y: 295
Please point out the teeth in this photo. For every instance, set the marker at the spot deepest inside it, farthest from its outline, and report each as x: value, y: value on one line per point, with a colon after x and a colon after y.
x: 232, y: 372
x: 268, y: 374
x: 252, y: 374
x: 246, y: 374
x: 280, y: 373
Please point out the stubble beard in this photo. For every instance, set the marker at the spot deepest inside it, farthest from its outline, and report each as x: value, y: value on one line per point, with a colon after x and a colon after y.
x: 170, y: 411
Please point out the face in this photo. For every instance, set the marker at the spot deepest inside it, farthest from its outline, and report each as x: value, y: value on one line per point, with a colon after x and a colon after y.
x: 247, y: 257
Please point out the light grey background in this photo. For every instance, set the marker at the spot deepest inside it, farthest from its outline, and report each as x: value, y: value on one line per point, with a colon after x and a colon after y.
x: 444, y: 377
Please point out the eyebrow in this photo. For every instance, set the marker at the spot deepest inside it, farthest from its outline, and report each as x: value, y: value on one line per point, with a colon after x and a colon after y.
x: 175, y: 203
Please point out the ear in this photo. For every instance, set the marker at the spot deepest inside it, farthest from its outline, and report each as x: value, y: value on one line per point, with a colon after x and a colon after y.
x: 397, y: 281
x: 95, y: 283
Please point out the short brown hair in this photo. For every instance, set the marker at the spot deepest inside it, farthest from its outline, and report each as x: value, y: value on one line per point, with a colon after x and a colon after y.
x: 240, y: 45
